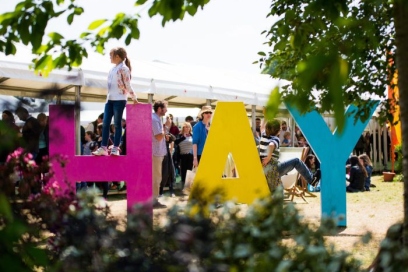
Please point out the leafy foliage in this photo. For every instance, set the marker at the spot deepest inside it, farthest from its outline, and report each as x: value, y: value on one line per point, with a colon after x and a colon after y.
x: 27, y: 24
x: 58, y: 230
x: 393, y: 256
x: 398, y: 162
x: 333, y: 53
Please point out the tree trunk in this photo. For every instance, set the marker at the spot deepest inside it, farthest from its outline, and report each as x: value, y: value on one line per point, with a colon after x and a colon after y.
x: 401, y: 30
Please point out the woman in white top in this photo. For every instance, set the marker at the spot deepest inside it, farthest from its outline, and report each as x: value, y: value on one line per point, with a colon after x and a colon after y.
x: 118, y: 89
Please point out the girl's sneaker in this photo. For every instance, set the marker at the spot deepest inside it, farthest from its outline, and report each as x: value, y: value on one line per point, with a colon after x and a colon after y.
x: 100, y: 152
x: 115, y: 151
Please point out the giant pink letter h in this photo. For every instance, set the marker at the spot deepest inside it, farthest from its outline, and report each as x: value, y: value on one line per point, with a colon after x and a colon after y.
x: 135, y: 168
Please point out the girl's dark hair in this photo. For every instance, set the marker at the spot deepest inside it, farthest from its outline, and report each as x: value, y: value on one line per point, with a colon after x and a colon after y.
x: 366, y: 160
x: 308, y: 158
x: 354, y: 160
x: 121, y: 52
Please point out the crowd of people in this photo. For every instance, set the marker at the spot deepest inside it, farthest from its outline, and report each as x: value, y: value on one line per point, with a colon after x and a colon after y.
x: 32, y: 137
x: 175, y: 150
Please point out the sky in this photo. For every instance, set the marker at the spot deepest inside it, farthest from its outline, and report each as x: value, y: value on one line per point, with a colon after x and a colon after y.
x: 226, y: 34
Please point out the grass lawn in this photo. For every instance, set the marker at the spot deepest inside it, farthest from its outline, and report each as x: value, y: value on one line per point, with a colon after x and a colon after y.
x: 373, y: 212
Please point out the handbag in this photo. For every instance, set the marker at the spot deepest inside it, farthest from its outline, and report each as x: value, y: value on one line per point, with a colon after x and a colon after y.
x: 190, y: 175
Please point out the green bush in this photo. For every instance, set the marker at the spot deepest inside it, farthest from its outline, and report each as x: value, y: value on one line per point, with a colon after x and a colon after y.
x: 398, y: 162
x: 61, y: 231
x: 270, y: 237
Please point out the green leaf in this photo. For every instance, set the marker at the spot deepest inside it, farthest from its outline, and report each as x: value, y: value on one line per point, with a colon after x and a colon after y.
x: 78, y: 10
x: 96, y: 24
x: 6, y: 16
x: 261, y: 53
x: 70, y: 18
x: 191, y: 10
x: 38, y: 30
x: 135, y: 33
x: 10, y: 48
x: 100, y: 48
x: 60, y: 61
x: 128, y: 39
x: 84, y: 35
x: 38, y: 255
x: 43, y: 62
x: 23, y: 29
x: 272, y: 106
x: 5, y: 209
x: 56, y: 37
x: 42, y: 49
x: 118, y: 31
x: 140, y: 2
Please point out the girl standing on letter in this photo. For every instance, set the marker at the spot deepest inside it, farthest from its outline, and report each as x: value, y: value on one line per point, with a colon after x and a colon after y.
x: 118, y: 89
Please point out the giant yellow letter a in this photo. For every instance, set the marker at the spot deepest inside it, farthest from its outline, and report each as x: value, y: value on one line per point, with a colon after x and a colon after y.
x: 230, y: 133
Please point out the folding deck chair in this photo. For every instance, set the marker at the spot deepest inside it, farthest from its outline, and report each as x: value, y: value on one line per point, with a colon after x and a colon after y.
x: 289, y: 181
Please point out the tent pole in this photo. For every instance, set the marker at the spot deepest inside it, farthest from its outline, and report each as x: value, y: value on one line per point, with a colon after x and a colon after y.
x: 292, y: 130
x: 77, y: 119
x: 150, y: 98
x: 253, y: 118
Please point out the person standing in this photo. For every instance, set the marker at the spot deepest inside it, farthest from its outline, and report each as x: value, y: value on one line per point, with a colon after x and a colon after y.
x: 30, y: 132
x: 44, y: 139
x: 185, y: 144
x: 284, y: 129
x: 367, y: 143
x: 200, y: 132
x: 190, y: 119
x: 118, y: 89
x: 8, y: 135
x: 8, y: 118
x: 159, y: 138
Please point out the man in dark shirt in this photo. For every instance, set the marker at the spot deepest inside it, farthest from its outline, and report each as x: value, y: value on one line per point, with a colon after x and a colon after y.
x: 31, y: 131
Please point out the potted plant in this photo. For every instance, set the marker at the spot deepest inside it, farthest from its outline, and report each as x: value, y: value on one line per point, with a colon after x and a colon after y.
x: 388, y: 176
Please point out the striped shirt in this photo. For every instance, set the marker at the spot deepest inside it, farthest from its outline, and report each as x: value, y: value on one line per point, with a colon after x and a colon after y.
x: 264, y: 144
x: 186, y: 146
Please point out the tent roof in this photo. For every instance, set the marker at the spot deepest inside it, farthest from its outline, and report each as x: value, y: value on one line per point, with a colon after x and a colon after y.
x: 184, y: 86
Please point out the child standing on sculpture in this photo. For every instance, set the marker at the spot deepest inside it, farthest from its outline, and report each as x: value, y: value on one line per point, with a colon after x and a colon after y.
x: 118, y: 90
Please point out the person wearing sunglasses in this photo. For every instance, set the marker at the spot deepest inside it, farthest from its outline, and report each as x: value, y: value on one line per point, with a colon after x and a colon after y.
x: 200, y: 132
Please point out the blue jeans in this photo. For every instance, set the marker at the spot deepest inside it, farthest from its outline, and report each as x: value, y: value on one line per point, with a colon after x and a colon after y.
x: 287, y: 166
x: 113, y: 108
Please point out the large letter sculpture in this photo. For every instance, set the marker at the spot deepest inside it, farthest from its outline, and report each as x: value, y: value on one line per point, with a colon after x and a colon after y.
x: 332, y: 150
x: 135, y: 168
x: 230, y: 133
